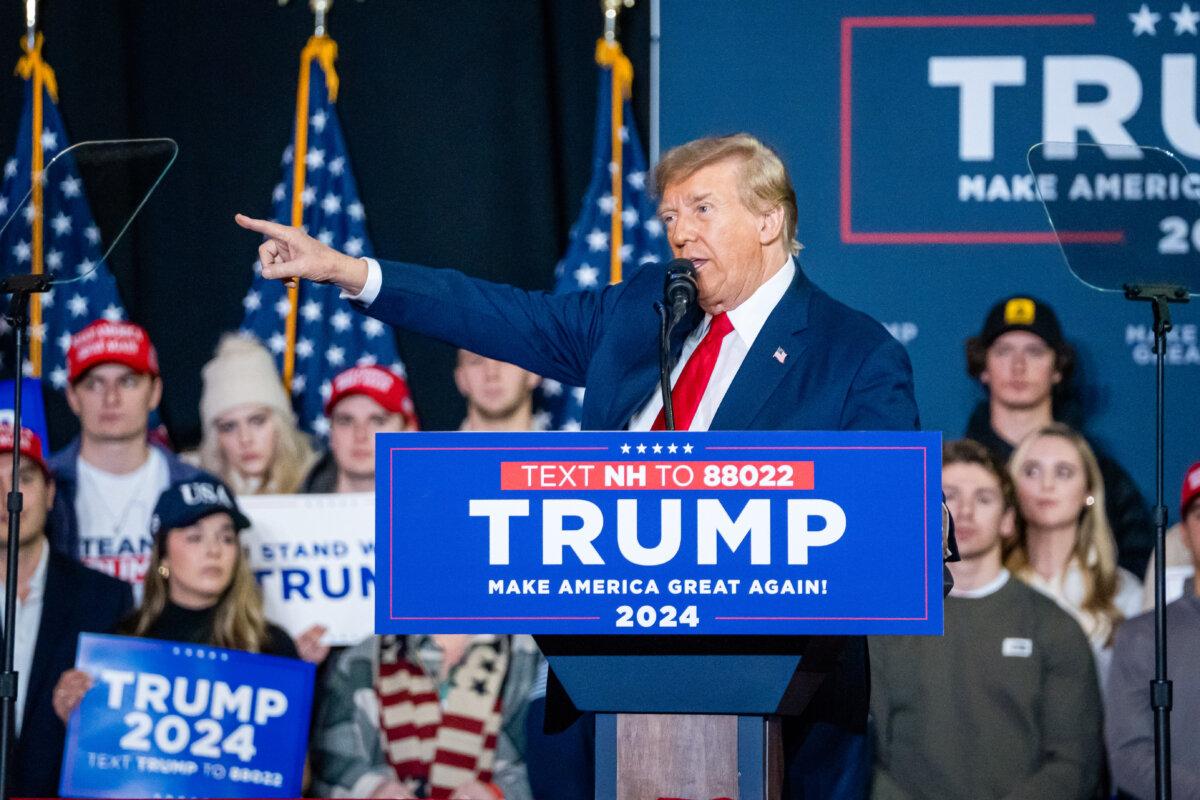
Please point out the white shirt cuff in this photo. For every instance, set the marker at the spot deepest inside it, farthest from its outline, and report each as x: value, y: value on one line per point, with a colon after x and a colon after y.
x: 370, y: 289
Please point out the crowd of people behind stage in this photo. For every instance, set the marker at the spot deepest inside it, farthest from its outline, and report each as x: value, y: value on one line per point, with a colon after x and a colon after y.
x: 1039, y: 687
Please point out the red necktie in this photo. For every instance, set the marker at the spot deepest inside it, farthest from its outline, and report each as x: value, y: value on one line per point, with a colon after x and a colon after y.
x: 693, y: 380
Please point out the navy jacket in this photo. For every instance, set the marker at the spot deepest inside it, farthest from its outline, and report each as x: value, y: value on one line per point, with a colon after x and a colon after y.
x: 62, y: 528
x: 842, y: 371
x: 77, y: 600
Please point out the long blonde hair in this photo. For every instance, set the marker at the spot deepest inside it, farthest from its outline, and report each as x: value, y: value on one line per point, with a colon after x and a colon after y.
x: 1095, y: 547
x: 239, y: 622
x: 290, y: 461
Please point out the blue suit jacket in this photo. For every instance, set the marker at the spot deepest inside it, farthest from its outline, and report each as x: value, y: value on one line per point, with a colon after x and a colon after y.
x: 842, y: 370
x: 77, y: 599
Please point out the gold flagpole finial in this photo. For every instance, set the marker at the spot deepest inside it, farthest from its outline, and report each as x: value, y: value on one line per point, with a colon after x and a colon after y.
x: 611, y: 9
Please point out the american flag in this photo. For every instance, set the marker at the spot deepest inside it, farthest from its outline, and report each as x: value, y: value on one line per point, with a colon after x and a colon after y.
x: 330, y: 335
x: 586, y: 263
x: 71, y: 241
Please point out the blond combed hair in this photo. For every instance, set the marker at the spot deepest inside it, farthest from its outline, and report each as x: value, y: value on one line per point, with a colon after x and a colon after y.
x: 239, y: 622
x: 1095, y: 546
x: 290, y: 462
x: 763, y: 181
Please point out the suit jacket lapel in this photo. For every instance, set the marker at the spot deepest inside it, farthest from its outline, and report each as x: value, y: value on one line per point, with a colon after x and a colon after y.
x: 762, y: 371
x: 56, y: 612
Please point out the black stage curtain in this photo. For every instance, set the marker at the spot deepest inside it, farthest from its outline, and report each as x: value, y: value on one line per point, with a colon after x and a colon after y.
x: 469, y: 125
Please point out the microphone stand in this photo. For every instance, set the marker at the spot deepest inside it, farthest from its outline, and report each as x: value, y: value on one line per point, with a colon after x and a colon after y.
x: 1160, y: 296
x: 21, y: 287
x: 666, y: 364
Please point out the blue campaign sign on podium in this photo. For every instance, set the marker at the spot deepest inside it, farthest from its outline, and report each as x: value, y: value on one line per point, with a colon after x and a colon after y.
x: 659, y: 533
x: 167, y: 719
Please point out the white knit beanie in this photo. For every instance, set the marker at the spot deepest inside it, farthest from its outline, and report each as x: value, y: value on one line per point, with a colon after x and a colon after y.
x: 241, y: 371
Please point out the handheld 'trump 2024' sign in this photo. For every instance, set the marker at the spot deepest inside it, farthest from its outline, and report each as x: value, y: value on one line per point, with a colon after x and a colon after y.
x: 166, y: 719
x: 659, y: 532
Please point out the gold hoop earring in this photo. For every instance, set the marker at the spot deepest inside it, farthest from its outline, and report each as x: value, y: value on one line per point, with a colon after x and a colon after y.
x: 164, y: 571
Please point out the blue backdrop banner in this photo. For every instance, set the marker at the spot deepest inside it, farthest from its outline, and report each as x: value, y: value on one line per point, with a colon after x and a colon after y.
x: 905, y: 127
x: 655, y: 532
x: 166, y: 719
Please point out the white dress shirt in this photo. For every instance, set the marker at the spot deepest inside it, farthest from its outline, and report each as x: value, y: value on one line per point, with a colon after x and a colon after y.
x: 748, y: 319
x: 29, y: 620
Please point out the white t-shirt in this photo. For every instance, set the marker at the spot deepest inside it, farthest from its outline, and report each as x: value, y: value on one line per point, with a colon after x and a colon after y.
x: 113, y: 513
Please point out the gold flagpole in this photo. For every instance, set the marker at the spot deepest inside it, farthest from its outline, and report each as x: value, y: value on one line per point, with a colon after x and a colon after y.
x: 609, y: 54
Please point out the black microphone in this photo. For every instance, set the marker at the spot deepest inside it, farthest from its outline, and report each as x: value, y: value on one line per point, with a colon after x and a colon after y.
x: 679, y: 287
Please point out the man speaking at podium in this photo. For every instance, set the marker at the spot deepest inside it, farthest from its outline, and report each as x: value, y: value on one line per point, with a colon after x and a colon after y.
x: 765, y: 350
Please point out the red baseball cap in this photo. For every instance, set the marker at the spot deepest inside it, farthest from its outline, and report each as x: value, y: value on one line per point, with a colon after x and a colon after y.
x: 381, y: 385
x: 31, y: 446
x: 1191, y: 488
x: 104, y: 342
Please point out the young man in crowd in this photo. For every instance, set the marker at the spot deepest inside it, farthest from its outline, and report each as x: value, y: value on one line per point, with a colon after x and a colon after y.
x: 111, y: 476
x: 1025, y: 365
x: 1129, y: 721
x: 57, y: 599
x: 363, y: 401
x: 499, y: 395
x: 1006, y: 704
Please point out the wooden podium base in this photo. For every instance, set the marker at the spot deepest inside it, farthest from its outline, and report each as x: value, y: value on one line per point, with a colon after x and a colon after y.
x: 692, y: 756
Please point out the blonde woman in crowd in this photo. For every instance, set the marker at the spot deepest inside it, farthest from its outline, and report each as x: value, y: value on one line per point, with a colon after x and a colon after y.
x: 1064, y: 545
x: 250, y: 439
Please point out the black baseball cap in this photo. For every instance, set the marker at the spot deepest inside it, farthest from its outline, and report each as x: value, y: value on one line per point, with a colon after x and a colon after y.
x: 1022, y: 313
x: 184, y: 503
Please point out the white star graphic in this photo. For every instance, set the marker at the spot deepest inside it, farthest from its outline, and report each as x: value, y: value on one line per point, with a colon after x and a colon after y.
x: 49, y: 140
x: 308, y: 196
x: 332, y: 204
x: 311, y: 311
x: 252, y: 301
x: 657, y: 448
x: 626, y: 252
x: 48, y: 299
x: 279, y: 192
x: 355, y: 210
x: 86, y: 270
x: 597, y: 240
x: 70, y: 186
x: 27, y: 367
x: 29, y: 212
x: 637, y: 180
x: 541, y: 420
x: 354, y: 247
x: 22, y: 252
x: 625, y: 449
x: 38, y: 332
x: 112, y: 313
x: 653, y: 226
x: 58, y: 378
x: 671, y: 448
x: 647, y: 258
x: 1145, y: 21
x: 340, y: 321
x: 578, y: 393
x: 325, y: 237
x: 277, y: 343
x: 366, y: 360
x: 570, y: 425
x: 304, y: 348
x: 326, y: 389
x: 315, y: 159
x: 398, y: 369
x: 1185, y: 20
x: 3, y: 206
x: 283, y: 307
x: 320, y: 426
x: 64, y: 341
x: 336, y: 356
x: 606, y: 203
x: 687, y: 448
x: 298, y: 384
x: 54, y: 259
x: 372, y: 327
x: 77, y: 305
x: 318, y: 120
x: 337, y: 166
x: 287, y: 154
x: 587, y: 275
x: 629, y: 217
x: 93, y: 234
x: 61, y: 224
x: 10, y: 168
x: 641, y: 448
x: 551, y: 387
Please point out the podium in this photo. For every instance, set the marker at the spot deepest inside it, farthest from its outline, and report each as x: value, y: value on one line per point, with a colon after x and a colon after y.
x: 689, y: 717
x: 692, y: 589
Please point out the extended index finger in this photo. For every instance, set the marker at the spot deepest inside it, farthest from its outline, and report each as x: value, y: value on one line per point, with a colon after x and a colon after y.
x: 263, y: 226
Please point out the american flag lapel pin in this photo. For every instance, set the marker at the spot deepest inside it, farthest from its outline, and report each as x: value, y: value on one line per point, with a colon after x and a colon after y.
x: 780, y: 355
